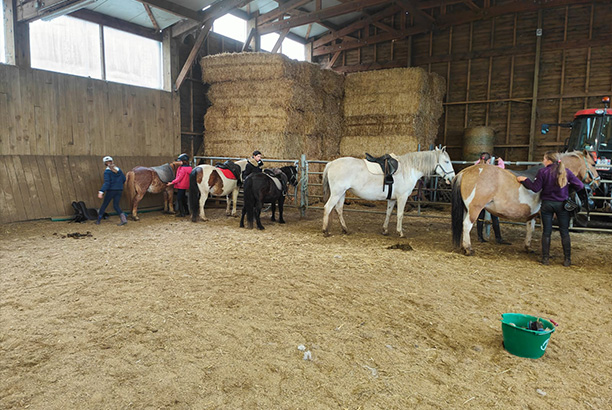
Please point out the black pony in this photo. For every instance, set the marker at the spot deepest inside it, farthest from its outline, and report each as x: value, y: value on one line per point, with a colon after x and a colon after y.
x: 262, y: 187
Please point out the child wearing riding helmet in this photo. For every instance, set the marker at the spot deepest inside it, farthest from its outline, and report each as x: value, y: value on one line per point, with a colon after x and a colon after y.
x: 485, y: 158
x: 181, y: 183
x: 553, y: 180
x: 111, y: 189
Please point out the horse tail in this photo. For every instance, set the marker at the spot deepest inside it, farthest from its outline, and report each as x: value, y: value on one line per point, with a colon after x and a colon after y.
x: 326, y: 183
x: 248, y: 200
x: 458, y: 210
x: 130, y: 189
x: 194, y: 194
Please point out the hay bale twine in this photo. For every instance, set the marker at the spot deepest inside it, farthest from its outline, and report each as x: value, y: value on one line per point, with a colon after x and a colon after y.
x: 477, y: 140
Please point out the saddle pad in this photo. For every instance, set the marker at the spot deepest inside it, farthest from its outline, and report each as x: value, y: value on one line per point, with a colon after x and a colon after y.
x: 228, y: 173
x: 276, y: 181
x: 164, y: 172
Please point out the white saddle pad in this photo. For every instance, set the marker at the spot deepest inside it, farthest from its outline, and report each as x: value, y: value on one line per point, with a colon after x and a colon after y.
x: 277, y: 182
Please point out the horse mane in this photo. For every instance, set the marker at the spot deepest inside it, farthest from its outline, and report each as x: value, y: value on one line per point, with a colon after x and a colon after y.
x: 422, y: 161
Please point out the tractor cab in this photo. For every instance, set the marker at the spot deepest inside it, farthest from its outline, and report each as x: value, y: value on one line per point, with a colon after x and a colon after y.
x: 591, y: 131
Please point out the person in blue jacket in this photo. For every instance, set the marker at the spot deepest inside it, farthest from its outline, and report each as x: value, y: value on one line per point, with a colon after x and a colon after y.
x: 111, y: 190
x: 554, y: 181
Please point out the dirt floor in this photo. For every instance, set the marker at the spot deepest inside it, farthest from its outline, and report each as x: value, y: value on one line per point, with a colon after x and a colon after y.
x: 168, y: 314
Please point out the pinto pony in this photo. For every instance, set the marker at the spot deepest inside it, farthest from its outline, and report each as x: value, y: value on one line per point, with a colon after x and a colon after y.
x: 346, y: 173
x: 207, y: 179
x: 497, y: 190
x: 141, y: 180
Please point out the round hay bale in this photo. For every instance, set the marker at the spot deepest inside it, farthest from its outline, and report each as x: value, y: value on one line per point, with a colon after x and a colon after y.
x: 477, y: 140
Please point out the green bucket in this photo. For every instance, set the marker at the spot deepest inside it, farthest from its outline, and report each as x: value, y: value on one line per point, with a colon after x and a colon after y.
x: 522, y: 341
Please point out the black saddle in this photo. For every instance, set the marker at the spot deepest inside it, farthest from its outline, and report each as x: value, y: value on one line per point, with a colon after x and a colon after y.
x: 232, y: 167
x: 388, y: 164
x: 280, y: 175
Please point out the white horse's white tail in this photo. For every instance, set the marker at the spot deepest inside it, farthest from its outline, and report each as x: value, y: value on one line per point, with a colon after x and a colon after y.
x: 325, y: 183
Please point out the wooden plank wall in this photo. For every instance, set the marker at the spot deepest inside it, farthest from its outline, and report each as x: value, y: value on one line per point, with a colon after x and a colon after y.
x: 44, y: 186
x: 55, y: 129
x: 489, y: 68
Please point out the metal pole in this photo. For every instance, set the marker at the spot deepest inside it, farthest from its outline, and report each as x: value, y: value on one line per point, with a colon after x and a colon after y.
x: 303, y: 185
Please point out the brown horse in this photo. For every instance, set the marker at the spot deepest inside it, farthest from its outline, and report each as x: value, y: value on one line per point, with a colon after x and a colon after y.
x: 497, y: 190
x: 141, y: 180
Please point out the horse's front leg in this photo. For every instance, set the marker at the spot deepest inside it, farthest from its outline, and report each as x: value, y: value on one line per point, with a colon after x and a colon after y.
x: 390, y: 206
x: 273, y: 206
x: 281, y: 202
x: 234, y: 200
x: 401, y: 205
x: 529, y: 227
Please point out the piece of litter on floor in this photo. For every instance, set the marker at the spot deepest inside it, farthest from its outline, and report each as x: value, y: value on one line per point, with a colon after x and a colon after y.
x: 541, y: 392
x: 301, y: 348
x: 307, y: 355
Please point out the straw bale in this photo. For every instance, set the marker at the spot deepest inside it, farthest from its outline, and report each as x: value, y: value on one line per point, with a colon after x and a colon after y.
x: 357, y: 146
x: 396, y: 80
x: 392, y: 104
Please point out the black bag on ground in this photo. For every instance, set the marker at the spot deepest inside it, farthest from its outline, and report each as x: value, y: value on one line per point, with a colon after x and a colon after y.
x: 82, y: 213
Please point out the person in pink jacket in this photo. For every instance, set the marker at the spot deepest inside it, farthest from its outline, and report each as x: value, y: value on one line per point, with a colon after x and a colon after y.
x: 181, y: 183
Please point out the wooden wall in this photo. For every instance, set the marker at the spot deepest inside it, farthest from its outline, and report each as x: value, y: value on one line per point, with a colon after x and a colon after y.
x: 490, y: 64
x: 55, y: 129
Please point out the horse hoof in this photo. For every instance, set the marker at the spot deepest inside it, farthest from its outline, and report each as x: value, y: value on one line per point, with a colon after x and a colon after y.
x: 261, y: 228
x: 281, y: 222
x: 326, y: 234
x: 385, y: 233
x: 468, y: 252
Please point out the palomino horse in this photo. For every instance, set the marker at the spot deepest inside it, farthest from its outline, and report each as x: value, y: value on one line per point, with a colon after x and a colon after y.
x: 269, y: 186
x: 497, y: 190
x: 141, y: 180
x: 207, y: 179
x: 346, y: 173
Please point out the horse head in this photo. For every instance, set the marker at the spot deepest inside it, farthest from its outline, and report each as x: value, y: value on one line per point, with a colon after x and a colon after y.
x: 292, y: 174
x: 582, y: 165
x: 444, y: 167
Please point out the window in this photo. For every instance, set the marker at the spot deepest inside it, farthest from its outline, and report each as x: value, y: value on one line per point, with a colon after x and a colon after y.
x: 66, y: 45
x: 232, y: 27
x: 290, y: 48
x: 132, y: 59
x: 73, y: 46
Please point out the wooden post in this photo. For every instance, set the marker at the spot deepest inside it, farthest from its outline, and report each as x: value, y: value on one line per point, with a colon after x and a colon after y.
x: 9, y: 32
x: 536, y: 78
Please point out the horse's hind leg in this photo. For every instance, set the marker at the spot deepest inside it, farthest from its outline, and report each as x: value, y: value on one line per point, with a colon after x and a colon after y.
x: 273, y: 218
x: 136, y: 200
x: 281, y: 202
x: 466, y: 244
x: 529, y: 227
x: 329, y: 205
x: 203, y: 198
x: 258, y: 206
x: 234, y: 200
x: 339, y: 209
x: 390, y: 205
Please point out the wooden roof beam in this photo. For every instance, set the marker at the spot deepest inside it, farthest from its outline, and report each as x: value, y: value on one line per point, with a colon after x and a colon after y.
x: 151, y: 16
x: 92, y: 16
x: 282, y: 8
x: 317, y: 16
x: 174, y: 8
x: 356, y: 26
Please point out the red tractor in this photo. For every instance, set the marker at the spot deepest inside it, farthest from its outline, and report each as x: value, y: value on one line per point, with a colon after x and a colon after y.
x: 591, y: 130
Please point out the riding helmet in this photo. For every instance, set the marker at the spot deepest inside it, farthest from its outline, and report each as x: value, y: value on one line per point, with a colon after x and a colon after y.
x: 183, y: 157
x: 107, y: 158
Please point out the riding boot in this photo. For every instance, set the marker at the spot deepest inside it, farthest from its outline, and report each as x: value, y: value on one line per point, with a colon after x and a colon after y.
x: 479, y: 227
x: 567, y: 250
x: 498, y: 237
x: 545, y: 249
x: 123, y: 219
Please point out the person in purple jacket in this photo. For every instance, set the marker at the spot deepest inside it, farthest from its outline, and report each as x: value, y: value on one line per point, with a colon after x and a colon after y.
x: 181, y: 183
x: 553, y: 180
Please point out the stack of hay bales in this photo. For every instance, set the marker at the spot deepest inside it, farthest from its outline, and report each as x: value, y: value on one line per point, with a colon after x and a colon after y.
x: 268, y: 102
x: 391, y: 111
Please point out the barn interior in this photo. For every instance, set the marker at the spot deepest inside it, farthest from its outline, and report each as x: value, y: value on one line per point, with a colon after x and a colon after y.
x: 164, y: 313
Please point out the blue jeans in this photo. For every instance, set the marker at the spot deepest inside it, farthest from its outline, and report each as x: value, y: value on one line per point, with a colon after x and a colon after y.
x: 111, y: 195
x: 550, y: 208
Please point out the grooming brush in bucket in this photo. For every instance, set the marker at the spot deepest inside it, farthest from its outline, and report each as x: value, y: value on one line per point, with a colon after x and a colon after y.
x: 526, y: 335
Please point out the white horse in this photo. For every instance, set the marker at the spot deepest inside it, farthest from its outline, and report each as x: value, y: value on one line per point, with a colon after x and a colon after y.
x: 347, y: 173
x: 207, y: 179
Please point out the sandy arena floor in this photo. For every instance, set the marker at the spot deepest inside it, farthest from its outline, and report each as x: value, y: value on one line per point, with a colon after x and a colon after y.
x: 168, y: 314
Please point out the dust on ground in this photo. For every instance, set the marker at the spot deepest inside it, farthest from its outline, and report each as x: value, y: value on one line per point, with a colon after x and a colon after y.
x: 165, y: 313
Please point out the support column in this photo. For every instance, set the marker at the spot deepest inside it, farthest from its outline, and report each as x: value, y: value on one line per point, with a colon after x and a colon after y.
x: 534, y: 99
x: 9, y: 32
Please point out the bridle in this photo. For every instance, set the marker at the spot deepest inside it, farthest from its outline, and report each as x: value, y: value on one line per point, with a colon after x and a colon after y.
x: 589, y: 174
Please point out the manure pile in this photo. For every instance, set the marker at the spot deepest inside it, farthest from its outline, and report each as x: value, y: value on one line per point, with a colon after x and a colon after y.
x: 271, y: 103
x: 391, y: 111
